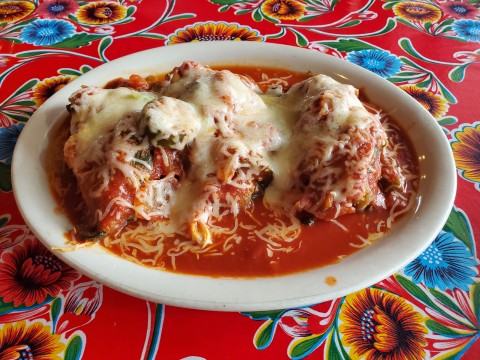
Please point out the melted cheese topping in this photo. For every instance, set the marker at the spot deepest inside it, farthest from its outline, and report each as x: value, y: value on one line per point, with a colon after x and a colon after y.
x: 171, y: 122
x: 96, y: 112
x: 102, y: 125
x: 311, y: 139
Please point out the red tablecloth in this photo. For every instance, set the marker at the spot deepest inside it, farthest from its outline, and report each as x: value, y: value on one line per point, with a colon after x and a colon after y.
x: 430, y: 309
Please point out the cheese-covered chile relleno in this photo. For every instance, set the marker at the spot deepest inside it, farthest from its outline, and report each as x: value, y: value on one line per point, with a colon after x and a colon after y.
x: 201, y: 159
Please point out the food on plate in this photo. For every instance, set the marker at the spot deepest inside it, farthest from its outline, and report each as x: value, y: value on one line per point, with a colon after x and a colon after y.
x: 230, y: 168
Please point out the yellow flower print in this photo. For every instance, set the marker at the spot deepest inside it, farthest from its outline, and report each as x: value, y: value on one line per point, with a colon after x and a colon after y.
x: 379, y: 325
x: 466, y: 151
x: 417, y: 11
x: 46, y: 88
x: 11, y: 11
x: 33, y: 341
x: 435, y: 104
x: 212, y: 31
x: 283, y: 9
x: 102, y: 12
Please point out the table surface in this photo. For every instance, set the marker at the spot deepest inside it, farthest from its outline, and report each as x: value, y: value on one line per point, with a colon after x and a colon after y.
x: 430, y: 309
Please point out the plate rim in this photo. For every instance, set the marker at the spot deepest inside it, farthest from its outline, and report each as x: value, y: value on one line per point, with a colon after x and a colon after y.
x: 229, y: 303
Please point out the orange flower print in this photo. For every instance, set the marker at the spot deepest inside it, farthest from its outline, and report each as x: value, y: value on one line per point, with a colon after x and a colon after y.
x: 377, y: 325
x: 211, y: 31
x: 466, y: 151
x: 11, y: 11
x: 46, y: 88
x: 417, y: 11
x: 283, y: 9
x: 33, y: 341
x: 435, y: 104
x: 100, y: 13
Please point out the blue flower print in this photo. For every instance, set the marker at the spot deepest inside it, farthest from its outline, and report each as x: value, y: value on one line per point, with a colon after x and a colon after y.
x: 468, y: 30
x: 8, y: 139
x: 46, y: 32
x: 446, y: 264
x: 378, y: 61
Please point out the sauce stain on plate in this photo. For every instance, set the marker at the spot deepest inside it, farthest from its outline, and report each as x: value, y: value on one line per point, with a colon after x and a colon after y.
x: 330, y: 281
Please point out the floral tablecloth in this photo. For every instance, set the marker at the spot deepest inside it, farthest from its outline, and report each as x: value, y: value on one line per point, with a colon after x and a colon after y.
x: 430, y: 309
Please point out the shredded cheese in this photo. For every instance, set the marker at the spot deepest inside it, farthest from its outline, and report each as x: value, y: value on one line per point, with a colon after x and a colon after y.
x: 319, y: 144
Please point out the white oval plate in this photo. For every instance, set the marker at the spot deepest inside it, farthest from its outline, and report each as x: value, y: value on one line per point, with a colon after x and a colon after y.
x: 408, y: 238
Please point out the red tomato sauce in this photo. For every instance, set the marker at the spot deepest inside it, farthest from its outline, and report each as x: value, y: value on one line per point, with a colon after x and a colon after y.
x: 319, y: 244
